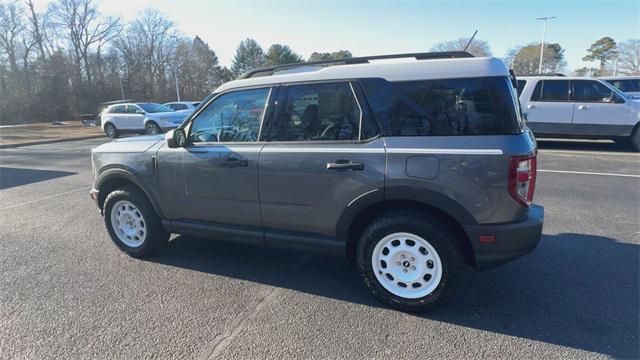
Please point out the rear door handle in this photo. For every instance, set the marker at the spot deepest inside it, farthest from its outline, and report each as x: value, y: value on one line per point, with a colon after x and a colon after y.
x: 583, y: 107
x: 233, y: 162
x: 345, y: 164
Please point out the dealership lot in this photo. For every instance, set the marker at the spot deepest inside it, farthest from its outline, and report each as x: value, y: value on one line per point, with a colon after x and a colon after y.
x: 66, y: 291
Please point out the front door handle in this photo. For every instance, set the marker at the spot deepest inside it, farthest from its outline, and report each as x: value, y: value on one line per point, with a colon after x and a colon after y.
x: 531, y: 106
x: 583, y: 107
x: 234, y: 162
x: 345, y: 164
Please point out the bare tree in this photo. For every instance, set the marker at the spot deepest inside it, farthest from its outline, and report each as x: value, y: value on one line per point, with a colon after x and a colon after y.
x: 478, y: 47
x: 629, y: 57
x: 84, y: 28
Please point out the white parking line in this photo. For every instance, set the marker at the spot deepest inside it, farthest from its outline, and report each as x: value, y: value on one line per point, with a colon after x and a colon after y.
x: 577, y: 152
x: 45, y: 198
x: 587, y: 173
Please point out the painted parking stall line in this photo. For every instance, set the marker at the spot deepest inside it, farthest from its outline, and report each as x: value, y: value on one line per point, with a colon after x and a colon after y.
x: 587, y: 173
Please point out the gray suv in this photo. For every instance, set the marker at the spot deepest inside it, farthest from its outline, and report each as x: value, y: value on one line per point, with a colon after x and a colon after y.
x: 411, y: 169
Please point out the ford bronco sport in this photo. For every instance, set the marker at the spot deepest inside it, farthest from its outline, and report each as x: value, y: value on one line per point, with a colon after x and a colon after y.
x: 410, y: 169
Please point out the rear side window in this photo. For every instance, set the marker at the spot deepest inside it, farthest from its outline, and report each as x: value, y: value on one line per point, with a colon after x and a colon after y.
x: 318, y: 112
x: 446, y: 107
x: 551, y: 90
x: 120, y: 109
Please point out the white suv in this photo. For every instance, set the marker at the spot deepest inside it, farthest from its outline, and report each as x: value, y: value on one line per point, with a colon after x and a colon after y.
x: 145, y: 118
x: 579, y: 107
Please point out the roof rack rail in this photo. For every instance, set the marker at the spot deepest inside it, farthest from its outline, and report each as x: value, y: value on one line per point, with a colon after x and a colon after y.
x: 270, y: 70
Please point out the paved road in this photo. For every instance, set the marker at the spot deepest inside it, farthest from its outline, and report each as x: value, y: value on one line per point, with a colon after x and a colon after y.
x: 65, y: 291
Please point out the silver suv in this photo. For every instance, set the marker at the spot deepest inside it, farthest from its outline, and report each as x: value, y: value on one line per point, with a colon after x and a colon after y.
x: 411, y: 169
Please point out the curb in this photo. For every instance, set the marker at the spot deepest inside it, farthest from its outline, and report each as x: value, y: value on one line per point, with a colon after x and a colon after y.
x: 51, y: 141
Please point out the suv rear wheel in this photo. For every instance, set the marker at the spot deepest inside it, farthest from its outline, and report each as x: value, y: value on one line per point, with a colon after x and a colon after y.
x: 132, y: 223
x: 409, y: 260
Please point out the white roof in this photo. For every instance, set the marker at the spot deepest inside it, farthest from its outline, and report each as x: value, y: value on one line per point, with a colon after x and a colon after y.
x: 623, y: 77
x: 389, y: 70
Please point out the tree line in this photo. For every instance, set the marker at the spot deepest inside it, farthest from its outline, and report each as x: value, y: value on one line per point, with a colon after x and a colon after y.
x: 62, y: 62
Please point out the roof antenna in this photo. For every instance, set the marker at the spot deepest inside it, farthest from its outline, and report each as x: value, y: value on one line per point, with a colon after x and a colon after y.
x: 470, y: 40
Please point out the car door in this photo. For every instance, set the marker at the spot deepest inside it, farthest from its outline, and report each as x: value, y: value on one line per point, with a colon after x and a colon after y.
x: 116, y: 116
x: 319, y: 158
x: 598, y: 110
x: 549, y: 110
x: 212, y: 183
x: 134, y: 119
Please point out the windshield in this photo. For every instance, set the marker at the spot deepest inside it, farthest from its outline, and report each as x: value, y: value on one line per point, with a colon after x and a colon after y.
x: 154, y: 108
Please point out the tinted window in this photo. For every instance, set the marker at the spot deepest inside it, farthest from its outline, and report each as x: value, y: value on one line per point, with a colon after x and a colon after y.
x: 154, y: 108
x: 234, y: 116
x: 195, y: 104
x: 318, y: 112
x: 591, y: 91
x: 627, y: 85
x: 445, y: 107
x: 521, y: 84
x: 132, y: 109
x: 120, y: 109
x: 551, y: 90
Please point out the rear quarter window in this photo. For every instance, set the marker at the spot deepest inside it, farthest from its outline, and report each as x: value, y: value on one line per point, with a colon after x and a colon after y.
x: 444, y: 107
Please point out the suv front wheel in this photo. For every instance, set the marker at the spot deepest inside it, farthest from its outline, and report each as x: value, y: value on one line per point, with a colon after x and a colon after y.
x: 409, y: 260
x: 132, y: 223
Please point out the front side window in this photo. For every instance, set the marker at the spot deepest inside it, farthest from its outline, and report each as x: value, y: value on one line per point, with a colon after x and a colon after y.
x: 591, y: 91
x: 132, y: 109
x: 232, y: 117
x: 551, y: 90
x: 318, y: 112
x: 626, y: 85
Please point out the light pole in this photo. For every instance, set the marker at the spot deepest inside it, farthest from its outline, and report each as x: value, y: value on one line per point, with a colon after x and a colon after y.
x: 544, y: 33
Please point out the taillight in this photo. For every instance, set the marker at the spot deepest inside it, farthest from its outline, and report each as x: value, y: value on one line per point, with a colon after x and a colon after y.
x: 522, y: 178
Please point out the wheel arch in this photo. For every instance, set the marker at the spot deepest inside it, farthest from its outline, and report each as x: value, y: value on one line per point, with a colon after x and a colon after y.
x: 364, y: 209
x: 115, y: 178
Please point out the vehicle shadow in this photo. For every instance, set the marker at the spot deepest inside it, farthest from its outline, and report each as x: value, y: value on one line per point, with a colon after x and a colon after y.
x: 583, y: 145
x: 575, y: 290
x: 12, y: 177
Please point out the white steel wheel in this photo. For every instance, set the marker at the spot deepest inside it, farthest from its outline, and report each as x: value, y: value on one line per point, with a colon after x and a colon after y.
x: 406, y: 265
x: 128, y: 224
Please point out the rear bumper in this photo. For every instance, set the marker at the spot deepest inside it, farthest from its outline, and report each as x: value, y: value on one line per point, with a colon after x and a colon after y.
x: 512, y: 240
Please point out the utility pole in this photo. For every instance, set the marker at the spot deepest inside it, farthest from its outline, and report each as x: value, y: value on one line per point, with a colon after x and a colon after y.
x: 175, y: 76
x: 121, y: 88
x: 544, y: 33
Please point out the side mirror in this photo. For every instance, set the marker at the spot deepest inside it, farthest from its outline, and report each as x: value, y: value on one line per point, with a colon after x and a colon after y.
x: 140, y: 112
x: 175, y: 138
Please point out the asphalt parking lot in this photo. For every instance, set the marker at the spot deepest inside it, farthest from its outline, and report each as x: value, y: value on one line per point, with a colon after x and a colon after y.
x: 67, y: 292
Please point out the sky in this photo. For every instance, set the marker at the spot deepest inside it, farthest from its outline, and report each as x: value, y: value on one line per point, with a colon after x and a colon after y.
x: 385, y: 27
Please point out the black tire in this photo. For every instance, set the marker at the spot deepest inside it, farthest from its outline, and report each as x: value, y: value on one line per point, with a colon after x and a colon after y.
x: 152, y: 128
x: 156, y: 236
x: 634, y: 139
x: 111, y: 131
x: 436, y: 233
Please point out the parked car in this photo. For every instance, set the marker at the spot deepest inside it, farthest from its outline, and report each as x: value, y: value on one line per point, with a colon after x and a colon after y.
x: 629, y: 85
x: 580, y: 107
x: 409, y: 169
x: 141, y: 118
x: 186, y: 106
